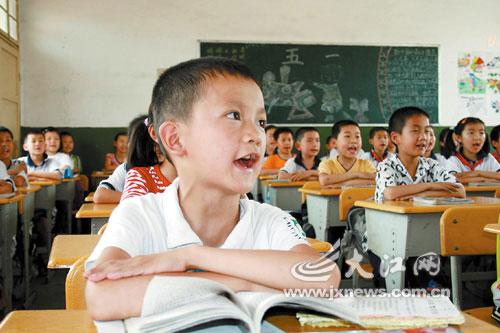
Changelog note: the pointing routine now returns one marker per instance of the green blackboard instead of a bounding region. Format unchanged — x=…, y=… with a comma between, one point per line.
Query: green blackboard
x=320, y=84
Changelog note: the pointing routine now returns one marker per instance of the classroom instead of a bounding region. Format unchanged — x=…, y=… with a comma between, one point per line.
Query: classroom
x=84, y=71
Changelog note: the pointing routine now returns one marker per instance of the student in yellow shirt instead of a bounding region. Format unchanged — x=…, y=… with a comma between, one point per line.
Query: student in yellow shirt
x=283, y=152
x=346, y=168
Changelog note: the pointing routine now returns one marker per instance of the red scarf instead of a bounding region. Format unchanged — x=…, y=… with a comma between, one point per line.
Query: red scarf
x=378, y=159
x=496, y=155
x=465, y=162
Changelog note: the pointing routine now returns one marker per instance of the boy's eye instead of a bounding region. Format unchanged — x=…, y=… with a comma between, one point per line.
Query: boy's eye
x=262, y=123
x=234, y=115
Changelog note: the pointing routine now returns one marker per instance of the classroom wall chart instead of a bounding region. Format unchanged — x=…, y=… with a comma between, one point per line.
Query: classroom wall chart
x=479, y=85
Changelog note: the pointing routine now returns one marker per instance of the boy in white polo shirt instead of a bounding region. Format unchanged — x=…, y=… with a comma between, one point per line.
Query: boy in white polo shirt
x=206, y=112
x=39, y=165
x=304, y=166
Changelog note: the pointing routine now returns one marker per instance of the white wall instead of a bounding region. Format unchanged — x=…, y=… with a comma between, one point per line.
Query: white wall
x=93, y=63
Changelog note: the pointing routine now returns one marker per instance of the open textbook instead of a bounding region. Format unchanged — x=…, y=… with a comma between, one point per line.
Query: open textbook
x=178, y=303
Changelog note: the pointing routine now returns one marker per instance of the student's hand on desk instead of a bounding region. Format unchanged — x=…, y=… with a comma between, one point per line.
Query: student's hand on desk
x=445, y=186
x=171, y=261
x=298, y=176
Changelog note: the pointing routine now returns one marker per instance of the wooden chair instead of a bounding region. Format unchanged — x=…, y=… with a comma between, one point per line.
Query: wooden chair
x=462, y=234
x=349, y=196
x=318, y=245
x=483, y=314
x=75, y=286
x=103, y=228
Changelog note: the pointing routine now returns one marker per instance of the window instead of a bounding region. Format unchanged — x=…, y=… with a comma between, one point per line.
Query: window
x=9, y=18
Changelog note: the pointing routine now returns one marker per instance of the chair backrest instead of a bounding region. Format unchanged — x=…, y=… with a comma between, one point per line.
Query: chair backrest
x=349, y=196
x=462, y=230
x=75, y=286
x=318, y=245
x=103, y=228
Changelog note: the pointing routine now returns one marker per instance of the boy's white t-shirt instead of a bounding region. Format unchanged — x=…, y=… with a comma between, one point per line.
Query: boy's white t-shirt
x=47, y=165
x=489, y=164
x=4, y=175
x=154, y=223
x=116, y=182
x=63, y=159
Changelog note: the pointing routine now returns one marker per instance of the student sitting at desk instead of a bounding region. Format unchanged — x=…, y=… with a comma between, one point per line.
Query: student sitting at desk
x=39, y=165
x=52, y=147
x=110, y=189
x=270, y=142
x=346, y=168
x=202, y=221
x=150, y=171
x=420, y=176
x=379, y=139
x=68, y=144
x=472, y=161
x=283, y=152
x=119, y=156
x=495, y=142
x=15, y=168
x=304, y=166
x=6, y=183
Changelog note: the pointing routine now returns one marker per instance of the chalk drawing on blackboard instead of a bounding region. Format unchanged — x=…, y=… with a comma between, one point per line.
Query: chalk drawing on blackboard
x=360, y=107
x=331, y=102
x=284, y=94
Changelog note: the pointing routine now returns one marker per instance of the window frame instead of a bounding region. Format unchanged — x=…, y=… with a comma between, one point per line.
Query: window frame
x=7, y=34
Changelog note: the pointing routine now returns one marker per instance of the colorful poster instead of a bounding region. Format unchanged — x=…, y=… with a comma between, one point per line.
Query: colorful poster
x=479, y=85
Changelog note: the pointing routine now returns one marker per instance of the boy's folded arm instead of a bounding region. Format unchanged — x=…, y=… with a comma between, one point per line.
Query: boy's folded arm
x=335, y=178
x=56, y=175
x=284, y=175
x=5, y=187
x=396, y=192
x=490, y=175
x=105, y=195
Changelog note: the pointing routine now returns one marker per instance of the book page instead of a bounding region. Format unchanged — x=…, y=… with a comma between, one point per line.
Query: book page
x=213, y=308
x=429, y=307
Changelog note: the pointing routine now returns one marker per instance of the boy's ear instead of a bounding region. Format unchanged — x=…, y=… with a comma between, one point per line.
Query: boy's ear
x=25, y=147
x=395, y=138
x=152, y=133
x=169, y=136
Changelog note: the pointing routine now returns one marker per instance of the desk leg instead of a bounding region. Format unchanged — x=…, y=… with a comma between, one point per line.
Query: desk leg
x=8, y=214
x=389, y=238
x=97, y=223
x=322, y=213
x=29, y=212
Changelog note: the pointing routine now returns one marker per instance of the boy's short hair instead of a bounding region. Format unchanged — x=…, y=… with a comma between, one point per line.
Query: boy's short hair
x=180, y=86
x=299, y=134
x=400, y=116
x=376, y=129
x=494, y=135
x=337, y=127
x=281, y=130
x=117, y=135
x=270, y=127
x=6, y=130
x=32, y=132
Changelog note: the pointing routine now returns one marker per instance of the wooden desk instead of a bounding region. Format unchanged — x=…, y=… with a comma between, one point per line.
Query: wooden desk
x=322, y=209
x=66, y=249
x=8, y=228
x=99, y=213
x=402, y=229
x=262, y=185
x=97, y=176
x=27, y=214
x=78, y=321
x=48, y=321
x=482, y=191
x=284, y=194
x=90, y=197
